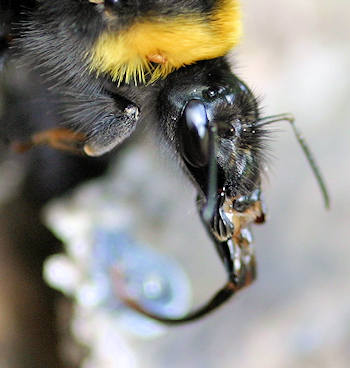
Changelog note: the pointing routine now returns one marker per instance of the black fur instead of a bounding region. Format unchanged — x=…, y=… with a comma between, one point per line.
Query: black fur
x=51, y=46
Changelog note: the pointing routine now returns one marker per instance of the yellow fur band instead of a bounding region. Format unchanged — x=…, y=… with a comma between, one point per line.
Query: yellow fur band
x=156, y=46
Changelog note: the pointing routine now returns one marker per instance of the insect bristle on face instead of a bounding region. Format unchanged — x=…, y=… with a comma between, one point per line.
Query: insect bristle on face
x=110, y=65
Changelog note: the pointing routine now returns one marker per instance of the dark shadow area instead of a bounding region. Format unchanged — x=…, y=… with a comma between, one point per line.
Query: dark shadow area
x=28, y=336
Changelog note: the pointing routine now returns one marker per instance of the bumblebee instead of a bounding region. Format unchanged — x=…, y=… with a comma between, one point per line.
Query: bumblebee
x=108, y=66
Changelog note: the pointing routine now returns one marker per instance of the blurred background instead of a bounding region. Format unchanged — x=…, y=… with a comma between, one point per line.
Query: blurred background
x=295, y=55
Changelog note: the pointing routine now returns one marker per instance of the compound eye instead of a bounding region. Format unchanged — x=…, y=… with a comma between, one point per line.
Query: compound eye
x=194, y=135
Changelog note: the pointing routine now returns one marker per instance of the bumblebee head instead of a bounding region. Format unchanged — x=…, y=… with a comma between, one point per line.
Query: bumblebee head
x=227, y=112
x=215, y=108
x=211, y=122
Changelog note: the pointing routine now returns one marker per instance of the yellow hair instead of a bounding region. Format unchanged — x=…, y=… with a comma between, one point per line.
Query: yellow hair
x=174, y=41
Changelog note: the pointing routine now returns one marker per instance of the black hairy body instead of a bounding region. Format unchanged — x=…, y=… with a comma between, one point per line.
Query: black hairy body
x=51, y=44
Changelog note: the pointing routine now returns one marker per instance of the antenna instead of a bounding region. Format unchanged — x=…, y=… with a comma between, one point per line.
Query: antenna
x=309, y=156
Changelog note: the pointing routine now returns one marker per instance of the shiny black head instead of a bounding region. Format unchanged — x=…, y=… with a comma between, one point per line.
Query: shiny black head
x=208, y=112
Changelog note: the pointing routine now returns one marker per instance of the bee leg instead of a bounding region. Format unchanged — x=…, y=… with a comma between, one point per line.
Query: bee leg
x=112, y=130
x=105, y=120
x=62, y=139
x=241, y=272
x=108, y=120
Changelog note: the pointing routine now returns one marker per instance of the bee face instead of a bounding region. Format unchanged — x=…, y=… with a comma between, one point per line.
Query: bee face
x=210, y=118
x=213, y=121
x=221, y=100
